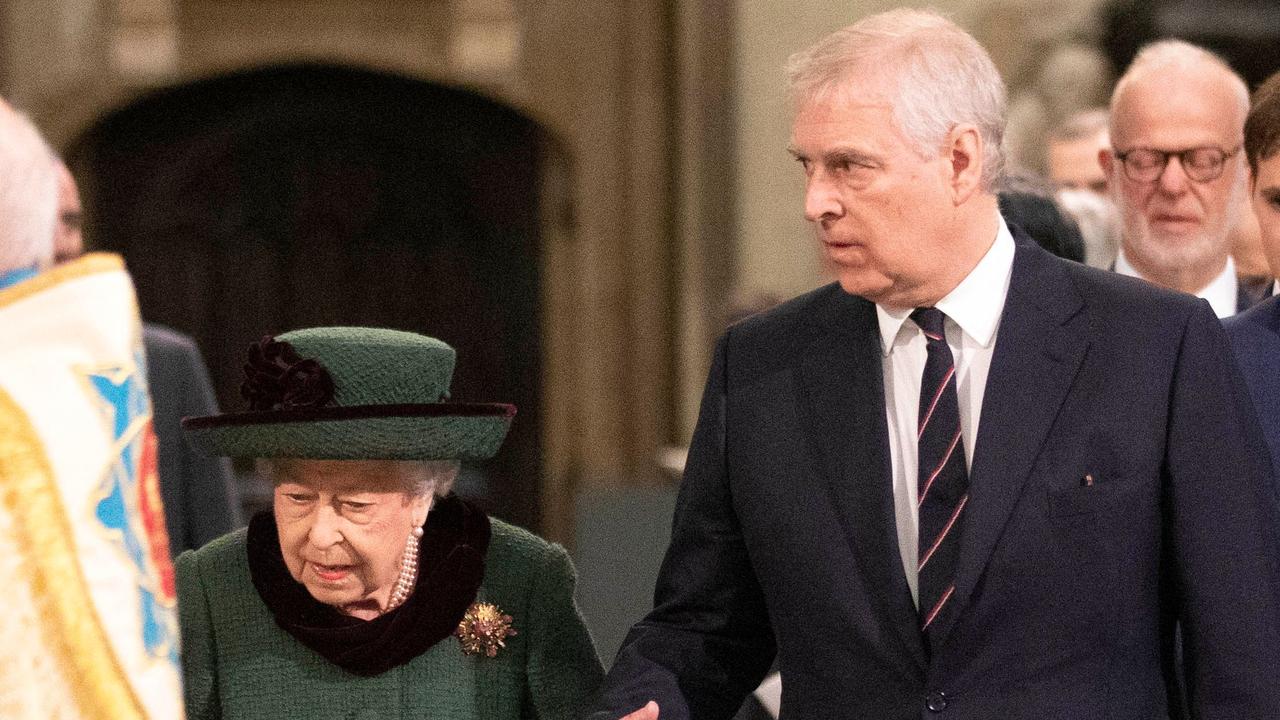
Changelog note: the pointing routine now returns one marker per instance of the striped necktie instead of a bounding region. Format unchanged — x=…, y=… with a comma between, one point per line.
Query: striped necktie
x=943, y=483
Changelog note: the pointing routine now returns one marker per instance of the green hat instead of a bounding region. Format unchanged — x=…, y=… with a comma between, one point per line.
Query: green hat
x=352, y=393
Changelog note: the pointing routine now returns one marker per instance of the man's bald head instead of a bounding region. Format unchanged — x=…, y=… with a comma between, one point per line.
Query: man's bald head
x=1174, y=67
x=28, y=194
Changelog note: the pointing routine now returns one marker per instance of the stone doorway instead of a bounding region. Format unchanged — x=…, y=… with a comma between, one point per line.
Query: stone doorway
x=304, y=195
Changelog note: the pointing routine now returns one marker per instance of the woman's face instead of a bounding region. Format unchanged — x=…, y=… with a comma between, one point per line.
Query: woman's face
x=343, y=526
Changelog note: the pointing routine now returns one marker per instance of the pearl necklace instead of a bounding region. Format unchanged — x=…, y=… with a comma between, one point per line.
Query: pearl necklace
x=408, y=572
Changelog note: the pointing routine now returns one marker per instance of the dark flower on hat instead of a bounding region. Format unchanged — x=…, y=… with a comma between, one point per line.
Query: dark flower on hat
x=277, y=378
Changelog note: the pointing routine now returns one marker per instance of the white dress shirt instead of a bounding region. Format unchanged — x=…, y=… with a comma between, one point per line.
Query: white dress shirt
x=973, y=312
x=1223, y=293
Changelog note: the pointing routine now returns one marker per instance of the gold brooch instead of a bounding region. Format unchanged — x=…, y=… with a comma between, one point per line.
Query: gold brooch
x=484, y=629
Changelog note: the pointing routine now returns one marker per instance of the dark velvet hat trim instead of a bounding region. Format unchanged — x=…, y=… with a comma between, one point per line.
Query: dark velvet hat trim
x=450, y=571
x=357, y=412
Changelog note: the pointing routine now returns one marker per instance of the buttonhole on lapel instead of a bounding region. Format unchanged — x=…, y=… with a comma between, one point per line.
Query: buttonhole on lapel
x=1087, y=480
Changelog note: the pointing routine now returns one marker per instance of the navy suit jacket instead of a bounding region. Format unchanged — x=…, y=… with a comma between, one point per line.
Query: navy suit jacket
x=199, y=494
x=1255, y=337
x=784, y=533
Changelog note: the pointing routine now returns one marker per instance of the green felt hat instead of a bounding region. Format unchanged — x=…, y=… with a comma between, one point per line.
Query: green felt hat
x=352, y=393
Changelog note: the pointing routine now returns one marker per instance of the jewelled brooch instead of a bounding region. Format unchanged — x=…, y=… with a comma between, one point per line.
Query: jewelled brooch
x=484, y=629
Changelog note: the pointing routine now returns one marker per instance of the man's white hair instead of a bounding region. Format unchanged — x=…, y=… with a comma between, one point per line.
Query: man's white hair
x=940, y=75
x=1172, y=59
x=28, y=194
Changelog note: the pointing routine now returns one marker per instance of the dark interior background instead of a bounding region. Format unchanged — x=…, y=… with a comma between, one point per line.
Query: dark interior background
x=1245, y=33
x=308, y=195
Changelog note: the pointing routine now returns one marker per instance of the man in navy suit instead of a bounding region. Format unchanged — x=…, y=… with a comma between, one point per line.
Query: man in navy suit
x=969, y=480
x=1255, y=334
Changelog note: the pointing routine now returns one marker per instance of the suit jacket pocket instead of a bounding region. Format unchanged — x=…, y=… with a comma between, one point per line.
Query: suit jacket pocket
x=1084, y=499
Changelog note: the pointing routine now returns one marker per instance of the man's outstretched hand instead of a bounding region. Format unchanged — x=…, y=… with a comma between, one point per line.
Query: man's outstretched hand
x=648, y=712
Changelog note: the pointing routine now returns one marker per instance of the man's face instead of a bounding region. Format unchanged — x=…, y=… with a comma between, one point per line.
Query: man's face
x=1266, y=205
x=872, y=199
x=1174, y=225
x=1073, y=164
x=68, y=242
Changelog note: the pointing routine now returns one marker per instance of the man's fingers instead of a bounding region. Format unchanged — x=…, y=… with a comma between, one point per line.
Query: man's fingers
x=648, y=712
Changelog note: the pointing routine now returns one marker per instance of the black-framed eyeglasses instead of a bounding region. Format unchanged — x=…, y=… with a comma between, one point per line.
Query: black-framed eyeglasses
x=1201, y=164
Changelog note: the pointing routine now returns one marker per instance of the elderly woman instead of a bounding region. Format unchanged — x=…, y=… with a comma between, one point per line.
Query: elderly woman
x=370, y=591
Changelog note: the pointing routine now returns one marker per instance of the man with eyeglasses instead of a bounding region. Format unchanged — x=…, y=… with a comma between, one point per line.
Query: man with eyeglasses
x=1176, y=171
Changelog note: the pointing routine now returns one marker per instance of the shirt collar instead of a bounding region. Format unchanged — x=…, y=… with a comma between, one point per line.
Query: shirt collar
x=975, y=304
x=1222, y=292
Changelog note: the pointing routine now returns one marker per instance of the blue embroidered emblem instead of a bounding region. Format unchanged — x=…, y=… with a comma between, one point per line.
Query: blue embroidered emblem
x=129, y=506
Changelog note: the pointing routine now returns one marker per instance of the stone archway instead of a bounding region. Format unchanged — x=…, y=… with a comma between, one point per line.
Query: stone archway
x=305, y=195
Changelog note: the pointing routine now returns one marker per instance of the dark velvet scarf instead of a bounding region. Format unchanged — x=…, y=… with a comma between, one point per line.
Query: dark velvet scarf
x=450, y=570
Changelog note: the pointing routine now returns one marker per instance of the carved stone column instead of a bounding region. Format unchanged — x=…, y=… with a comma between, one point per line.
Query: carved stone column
x=601, y=75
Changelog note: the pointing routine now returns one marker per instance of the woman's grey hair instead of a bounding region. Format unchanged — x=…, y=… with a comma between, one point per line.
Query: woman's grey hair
x=28, y=194
x=941, y=77
x=417, y=477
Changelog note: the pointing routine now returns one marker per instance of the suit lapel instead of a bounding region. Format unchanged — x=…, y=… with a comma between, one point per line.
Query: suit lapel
x=1042, y=339
x=842, y=392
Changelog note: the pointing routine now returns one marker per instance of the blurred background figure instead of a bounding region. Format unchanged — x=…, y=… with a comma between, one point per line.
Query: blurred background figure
x=1076, y=172
x=68, y=233
x=1255, y=333
x=1249, y=254
x=1095, y=215
x=201, y=501
x=1176, y=171
x=1073, y=152
x=1027, y=200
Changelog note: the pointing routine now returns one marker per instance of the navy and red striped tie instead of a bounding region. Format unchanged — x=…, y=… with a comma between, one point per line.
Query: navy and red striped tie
x=943, y=477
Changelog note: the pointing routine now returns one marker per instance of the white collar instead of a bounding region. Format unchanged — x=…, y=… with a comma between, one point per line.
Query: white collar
x=1223, y=292
x=975, y=304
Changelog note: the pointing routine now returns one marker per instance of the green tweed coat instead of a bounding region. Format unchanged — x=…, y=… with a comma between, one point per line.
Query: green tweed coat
x=238, y=664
